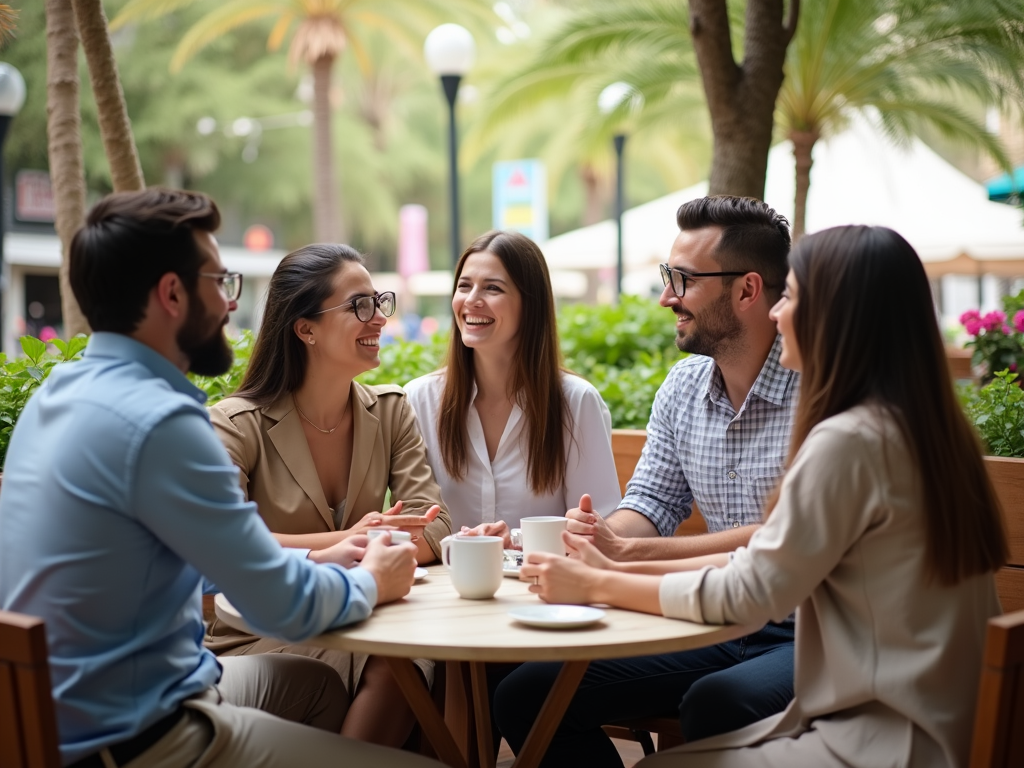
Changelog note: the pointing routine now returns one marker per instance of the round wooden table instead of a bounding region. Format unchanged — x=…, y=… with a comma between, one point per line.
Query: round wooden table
x=433, y=622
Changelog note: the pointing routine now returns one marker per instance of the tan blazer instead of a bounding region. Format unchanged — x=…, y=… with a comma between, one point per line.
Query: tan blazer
x=277, y=471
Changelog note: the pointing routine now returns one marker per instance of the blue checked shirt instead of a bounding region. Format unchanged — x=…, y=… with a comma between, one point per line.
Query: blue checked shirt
x=700, y=449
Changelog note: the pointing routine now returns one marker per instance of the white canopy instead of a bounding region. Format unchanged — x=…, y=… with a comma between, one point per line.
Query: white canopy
x=858, y=177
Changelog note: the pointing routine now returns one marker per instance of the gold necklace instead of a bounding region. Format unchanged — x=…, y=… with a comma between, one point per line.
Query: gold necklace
x=322, y=431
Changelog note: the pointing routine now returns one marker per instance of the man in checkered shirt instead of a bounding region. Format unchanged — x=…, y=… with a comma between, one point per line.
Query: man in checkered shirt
x=718, y=435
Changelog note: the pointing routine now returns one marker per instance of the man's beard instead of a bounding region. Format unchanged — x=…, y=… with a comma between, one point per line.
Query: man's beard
x=202, y=340
x=711, y=331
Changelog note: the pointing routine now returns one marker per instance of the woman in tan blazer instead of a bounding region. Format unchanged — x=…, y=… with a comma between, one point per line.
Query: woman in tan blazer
x=318, y=452
x=884, y=535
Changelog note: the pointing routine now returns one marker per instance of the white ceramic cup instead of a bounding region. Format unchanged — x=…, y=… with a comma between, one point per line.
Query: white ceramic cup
x=474, y=563
x=543, y=534
x=397, y=537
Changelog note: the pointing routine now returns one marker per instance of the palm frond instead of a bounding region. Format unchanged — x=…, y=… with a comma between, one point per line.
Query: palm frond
x=227, y=17
x=145, y=10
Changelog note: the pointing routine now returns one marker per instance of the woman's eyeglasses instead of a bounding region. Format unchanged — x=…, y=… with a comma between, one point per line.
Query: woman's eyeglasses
x=230, y=283
x=678, y=278
x=366, y=306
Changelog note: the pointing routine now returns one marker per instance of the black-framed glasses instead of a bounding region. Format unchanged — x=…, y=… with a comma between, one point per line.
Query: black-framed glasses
x=678, y=277
x=366, y=306
x=230, y=283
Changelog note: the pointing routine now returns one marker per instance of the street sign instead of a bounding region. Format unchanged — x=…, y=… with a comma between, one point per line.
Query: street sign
x=520, y=198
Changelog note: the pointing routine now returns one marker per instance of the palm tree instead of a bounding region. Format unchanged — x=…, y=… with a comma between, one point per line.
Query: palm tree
x=914, y=62
x=115, y=127
x=63, y=128
x=547, y=104
x=667, y=54
x=323, y=31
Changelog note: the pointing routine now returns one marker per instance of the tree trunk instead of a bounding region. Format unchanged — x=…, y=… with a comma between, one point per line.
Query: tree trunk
x=593, y=208
x=63, y=130
x=741, y=98
x=116, y=129
x=327, y=223
x=803, y=145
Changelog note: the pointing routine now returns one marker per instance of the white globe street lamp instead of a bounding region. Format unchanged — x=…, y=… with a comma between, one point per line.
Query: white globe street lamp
x=12, y=97
x=450, y=52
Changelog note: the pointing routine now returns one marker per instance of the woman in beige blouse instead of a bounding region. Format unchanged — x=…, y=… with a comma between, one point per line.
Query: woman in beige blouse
x=884, y=535
x=318, y=451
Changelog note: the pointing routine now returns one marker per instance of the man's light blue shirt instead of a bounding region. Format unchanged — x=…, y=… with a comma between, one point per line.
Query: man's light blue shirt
x=117, y=500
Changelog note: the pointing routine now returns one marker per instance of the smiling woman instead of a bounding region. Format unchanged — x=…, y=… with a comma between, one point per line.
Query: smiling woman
x=318, y=451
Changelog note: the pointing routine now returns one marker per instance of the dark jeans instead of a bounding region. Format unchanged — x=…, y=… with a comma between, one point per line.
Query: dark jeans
x=715, y=690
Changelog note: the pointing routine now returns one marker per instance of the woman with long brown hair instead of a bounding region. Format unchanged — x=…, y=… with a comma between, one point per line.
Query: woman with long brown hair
x=884, y=534
x=509, y=432
x=318, y=452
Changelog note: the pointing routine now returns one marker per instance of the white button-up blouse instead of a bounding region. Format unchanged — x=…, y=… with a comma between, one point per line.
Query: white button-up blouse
x=500, y=490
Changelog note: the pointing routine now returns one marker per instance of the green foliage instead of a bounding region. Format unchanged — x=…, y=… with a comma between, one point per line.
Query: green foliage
x=225, y=385
x=997, y=412
x=21, y=377
x=402, y=361
x=615, y=335
x=629, y=392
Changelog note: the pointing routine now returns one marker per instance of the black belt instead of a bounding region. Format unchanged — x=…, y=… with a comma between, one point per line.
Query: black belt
x=125, y=751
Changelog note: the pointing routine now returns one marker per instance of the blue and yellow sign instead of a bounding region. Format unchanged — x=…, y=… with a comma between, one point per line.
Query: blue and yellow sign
x=520, y=198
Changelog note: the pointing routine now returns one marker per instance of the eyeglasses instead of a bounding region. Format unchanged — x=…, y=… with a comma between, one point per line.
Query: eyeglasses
x=230, y=283
x=366, y=306
x=678, y=277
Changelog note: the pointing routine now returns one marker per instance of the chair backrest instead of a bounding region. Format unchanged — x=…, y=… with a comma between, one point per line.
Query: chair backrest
x=28, y=723
x=999, y=719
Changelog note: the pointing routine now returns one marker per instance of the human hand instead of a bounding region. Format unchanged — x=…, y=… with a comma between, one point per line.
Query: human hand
x=347, y=553
x=586, y=523
x=499, y=528
x=392, y=566
x=583, y=549
x=394, y=520
x=558, y=579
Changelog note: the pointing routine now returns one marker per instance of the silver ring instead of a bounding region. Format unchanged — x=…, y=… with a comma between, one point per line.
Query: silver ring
x=536, y=581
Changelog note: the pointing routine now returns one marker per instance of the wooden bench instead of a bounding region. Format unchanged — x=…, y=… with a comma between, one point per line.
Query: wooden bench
x=28, y=723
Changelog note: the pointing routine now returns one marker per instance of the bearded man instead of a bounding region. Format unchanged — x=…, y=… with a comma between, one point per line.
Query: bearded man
x=718, y=435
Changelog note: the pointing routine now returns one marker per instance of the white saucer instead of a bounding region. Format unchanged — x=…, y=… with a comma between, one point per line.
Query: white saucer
x=419, y=574
x=510, y=573
x=557, y=616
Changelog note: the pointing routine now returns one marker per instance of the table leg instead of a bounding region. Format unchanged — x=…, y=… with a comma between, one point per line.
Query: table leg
x=433, y=725
x=482, y=714
x=550, y=715
x=458, y=709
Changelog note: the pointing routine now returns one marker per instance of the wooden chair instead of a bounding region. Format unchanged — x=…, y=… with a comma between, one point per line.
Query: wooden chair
x=999, y=717
x=28, y=725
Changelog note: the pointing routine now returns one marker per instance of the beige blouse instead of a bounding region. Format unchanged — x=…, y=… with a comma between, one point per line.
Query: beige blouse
x=886, y=658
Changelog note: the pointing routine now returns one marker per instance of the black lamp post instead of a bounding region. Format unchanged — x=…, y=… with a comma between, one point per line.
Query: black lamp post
x=449, y=50
x=12, y=97
x=613, y=97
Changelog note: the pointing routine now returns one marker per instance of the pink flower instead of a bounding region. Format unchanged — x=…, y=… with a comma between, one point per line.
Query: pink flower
x=970, y=314
x=1013, y=367
x=994, y=320
x=1006, y=330
x=47, y=334
x=973, y=326
x=1018, y=321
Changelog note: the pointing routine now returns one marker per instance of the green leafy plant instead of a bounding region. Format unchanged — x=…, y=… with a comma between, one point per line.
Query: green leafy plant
x=21, y=377
x=225, y=385
x=402, y=361
x=997, y=412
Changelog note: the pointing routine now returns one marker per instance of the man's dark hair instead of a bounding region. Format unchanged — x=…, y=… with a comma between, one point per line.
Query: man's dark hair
x=130, y=240
x=755, y=237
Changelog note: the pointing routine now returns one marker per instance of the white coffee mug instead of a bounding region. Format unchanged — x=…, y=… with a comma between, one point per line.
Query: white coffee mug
x=397, y=537
x=474, y=563
x=543, y=534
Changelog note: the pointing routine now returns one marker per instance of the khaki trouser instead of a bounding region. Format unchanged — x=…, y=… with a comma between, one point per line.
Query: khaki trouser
x=271, y=711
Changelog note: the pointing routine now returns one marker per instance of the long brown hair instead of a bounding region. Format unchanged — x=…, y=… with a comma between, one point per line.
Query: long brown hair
x=536, y=368
x=300, y=285
x=867, y=333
